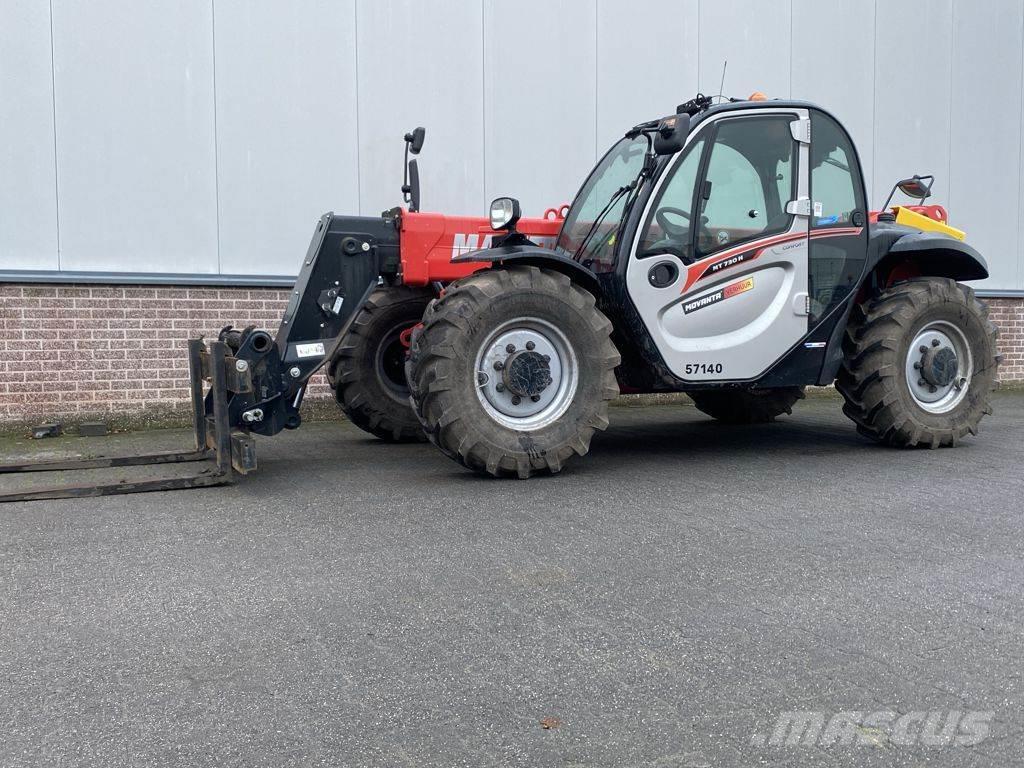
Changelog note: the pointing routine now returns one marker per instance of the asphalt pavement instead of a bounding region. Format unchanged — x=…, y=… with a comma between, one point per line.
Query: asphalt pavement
x=689, y=594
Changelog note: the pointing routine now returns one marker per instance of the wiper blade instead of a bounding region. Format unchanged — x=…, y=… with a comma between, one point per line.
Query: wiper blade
x=646, y=172
x=600, y=217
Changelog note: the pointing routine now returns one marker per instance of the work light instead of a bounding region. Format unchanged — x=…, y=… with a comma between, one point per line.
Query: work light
x=504, y=213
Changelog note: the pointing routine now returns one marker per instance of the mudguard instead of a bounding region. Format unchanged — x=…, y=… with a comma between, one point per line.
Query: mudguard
x=525, y=252
x=935, y=254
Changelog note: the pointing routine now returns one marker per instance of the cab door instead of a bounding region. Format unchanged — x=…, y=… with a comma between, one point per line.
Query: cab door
x=718, y=271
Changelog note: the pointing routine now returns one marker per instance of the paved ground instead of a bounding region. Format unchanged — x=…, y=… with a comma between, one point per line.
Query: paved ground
x=662, y=602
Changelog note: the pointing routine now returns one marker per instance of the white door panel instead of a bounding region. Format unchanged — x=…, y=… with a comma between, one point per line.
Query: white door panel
x=732, y=314
x=720, y=316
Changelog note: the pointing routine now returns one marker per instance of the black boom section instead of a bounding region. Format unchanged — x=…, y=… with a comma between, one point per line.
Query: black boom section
x=346, y=257
x=344, y=263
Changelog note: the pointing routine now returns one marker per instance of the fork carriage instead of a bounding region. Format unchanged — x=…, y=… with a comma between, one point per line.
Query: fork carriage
x=214, y=376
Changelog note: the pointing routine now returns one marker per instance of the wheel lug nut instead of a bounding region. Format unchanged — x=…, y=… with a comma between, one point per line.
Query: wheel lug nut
x=935, y=342
x=923, y=349
x=500, y=387
x=920, y=383
x=530, y=345
x=498, y=365
x=546, y=358
x=535, y=398
x=917, y=366
x=931, y=389
x=510, y=348
x=516, y=400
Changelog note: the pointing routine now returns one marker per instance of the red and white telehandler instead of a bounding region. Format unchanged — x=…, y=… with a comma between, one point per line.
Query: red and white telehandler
x=727, y=251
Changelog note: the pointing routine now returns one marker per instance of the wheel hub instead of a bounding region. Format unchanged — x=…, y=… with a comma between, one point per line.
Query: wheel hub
x=938, y=367
x=526, y=373
x=390, y=364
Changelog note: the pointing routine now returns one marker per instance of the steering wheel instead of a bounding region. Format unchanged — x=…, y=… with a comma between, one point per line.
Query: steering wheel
x=670, y=229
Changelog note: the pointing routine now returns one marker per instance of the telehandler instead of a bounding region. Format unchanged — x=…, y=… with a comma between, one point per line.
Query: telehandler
x=726, y=251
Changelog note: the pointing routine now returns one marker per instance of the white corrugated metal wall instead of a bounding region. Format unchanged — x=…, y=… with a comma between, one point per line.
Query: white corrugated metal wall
x=206, y=136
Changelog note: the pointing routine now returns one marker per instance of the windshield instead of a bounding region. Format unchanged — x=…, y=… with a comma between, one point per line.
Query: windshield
x=616, y=170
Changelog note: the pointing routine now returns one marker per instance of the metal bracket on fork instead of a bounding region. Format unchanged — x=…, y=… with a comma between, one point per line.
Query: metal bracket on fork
x=227, y=452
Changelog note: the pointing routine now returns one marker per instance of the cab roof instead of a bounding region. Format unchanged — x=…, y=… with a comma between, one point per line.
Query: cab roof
x=735, y=106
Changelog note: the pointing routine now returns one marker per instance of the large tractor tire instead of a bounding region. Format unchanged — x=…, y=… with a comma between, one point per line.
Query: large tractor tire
x=512, y=371
x=919, y=364
x=747, y=406
x=368, y=371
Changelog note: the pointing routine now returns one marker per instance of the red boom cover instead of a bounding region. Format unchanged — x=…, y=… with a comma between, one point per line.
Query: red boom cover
x=429, y=241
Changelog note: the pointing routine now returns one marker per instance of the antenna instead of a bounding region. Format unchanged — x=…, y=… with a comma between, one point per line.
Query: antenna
x=721, y=87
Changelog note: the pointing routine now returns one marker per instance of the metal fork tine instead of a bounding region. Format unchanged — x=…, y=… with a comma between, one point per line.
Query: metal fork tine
x=213, y=437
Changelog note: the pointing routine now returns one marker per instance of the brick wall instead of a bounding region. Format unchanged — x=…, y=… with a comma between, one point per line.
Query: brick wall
x=115, y=352
x=1008, y=315
x=119, y=352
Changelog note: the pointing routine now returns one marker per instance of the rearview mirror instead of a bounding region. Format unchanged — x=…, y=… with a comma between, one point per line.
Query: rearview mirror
x=411, y=174
x=414, y=186
x=671, y=134
x=415, y=139
x=916, y=187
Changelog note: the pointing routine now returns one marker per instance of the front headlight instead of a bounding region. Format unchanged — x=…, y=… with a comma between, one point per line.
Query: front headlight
x=504, y=213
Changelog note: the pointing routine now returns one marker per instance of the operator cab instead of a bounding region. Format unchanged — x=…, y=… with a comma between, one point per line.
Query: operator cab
x=711, y=226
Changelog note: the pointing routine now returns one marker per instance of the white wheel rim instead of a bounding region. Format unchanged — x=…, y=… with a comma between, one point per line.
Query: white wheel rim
x=939, y=352
x=530, y=340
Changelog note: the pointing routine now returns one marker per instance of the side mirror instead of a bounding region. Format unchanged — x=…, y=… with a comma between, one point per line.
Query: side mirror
x=415, y=139
x=671, y=134
x=505, y=212
x=411, y=174
x=915, y=187
x=414, y=186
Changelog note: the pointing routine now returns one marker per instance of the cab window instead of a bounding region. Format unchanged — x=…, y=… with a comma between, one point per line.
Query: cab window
x=583, y=236
x=749, y=179
x=668, y=229
x=836, y=261
x=832, y=174
x=750, y=175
